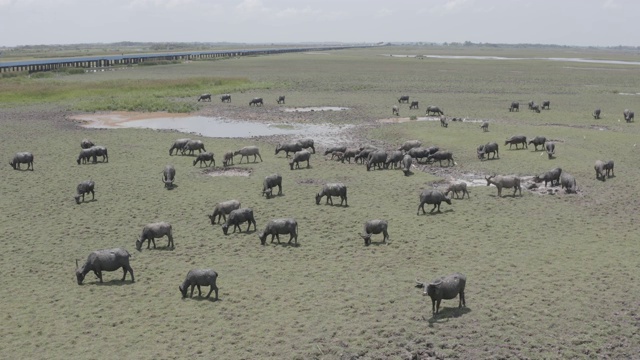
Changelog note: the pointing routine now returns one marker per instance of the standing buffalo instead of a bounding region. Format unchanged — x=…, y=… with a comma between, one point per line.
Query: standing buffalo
x=395, y=110
x=278, y=227
x=445, y=287
x=628, y=115
x=280, y=99
x=568, y=182
x=515, y=106
x=222, y=209
x=85, y=155
x=22, y=158
x=153, y=231
x=237, y=217
x=394, y=158
x=406, y=164
x=84, y=187
x=248, y=151
x=307, y=143
x=484, y=126
x=205, y=97
x=376, y=158
x=227, y=159
x=168, y=176
x=410, y=144
x=596, y=113
x=178, y=145
x=302, y=155
x=443, y=121
x=435, y=110
x=99, y=151
x=551, y=148
x=203, y=158
x=288, y=147
x=488, y=148
x=600, y=170
x=538, y=140
x=432, y=197
x=505, y=182
x=608, y=167
x=256, y=102
x=333, y=189
x=375, y=227
x=422, y=152
x=333, y=149
x=535, y=107
x=442, y=155
x=403, y=99
x=225, y=98
x=86, y=143
x=193, y=145
x=105, y=260
x=517, y=139
x=546, y=104
x=269, y=183
x=550, y=176
x=414, y=105
x=458, y=187
x=199, y=277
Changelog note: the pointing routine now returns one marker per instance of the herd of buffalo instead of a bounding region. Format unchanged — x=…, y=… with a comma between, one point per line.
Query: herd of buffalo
x=231, y=212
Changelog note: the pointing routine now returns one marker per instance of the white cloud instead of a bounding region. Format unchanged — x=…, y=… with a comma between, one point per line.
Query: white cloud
x=383, y=13
x=168, y=4
x=455, y=5
x=610, y=4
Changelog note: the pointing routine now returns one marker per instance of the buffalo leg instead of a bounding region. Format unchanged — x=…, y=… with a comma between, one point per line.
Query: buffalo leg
x=124, y=269
x=199, y=292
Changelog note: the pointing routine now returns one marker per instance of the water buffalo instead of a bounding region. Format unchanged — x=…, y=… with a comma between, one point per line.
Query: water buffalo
x=228, y=158
x=505, y=182
x=307, y=143
x=99, y=151
x=197, y=278
x=568, y=182
x=22, y=158
x=222, y=209
x=608, y=167
x=225, y=98
x=269, y=183
x=333, y=189
x=376, y=158
x=403, y=99
x=406, y=164
x=442, y=155
x=193, y=145
x=395, y=110
x=153, y=231
x=394, y=158
x=488, y=148
x=596, y=113
x=178, y=145
x=203, y=158
x=280, y=99
x=535, y=107
x=546, y=104
x=256, y=102
x=349, y=153
x=278, y=227
x=550, y=148
x=537, y=141
x=458, y=187
x=83, y=188
x=445, y=287
x=414, y=105
x=531, y=103
x=85, y=155
x=105, y=260
x=484, y=126
x=86, y=143
x=205, y=97
x=302, y=155
x=364, y=153
x=288, y=147
x=628, y=115
x=443, y=121
x=552, y=176
x=248, y=151
x=335, y=148
x=410, y=144
x=435, y=110
x=237, y=217
x=432, y=197
x=517, y=139
x=168, y=176
x=375, y=227
x=600, y=171
x=422, y=152
x=515, y=106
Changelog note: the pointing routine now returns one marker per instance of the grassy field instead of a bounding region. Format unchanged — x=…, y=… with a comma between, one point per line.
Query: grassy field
x=548, y=276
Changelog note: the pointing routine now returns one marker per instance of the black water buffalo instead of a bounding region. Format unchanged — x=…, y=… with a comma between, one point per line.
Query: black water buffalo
x=280, y=99
x=395, y=110
x=432, y=197
x=546, y=104
x=489, y=148
x=414, y=105
x=256, y=102
x=225, y=98
x=516, y=140
x=445, y=287
x=515, y=106
x=435, y=110
x=22, y=158
x=596, y=113
x=403, y=99
x=538, y=141
x=204, y=97
x=628, y=115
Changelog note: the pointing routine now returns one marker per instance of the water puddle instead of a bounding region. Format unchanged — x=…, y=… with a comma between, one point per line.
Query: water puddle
x=315, y=108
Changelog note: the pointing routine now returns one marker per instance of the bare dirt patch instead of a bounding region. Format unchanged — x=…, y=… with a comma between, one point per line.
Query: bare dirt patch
x=228, y=171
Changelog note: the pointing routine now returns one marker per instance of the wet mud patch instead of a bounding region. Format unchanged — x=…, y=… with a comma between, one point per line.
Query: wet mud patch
x=228, y=171
x=315, y=108
x=591, y=127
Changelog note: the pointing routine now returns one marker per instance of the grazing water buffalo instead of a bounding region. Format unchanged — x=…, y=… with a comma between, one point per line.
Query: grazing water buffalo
x=535, y=107
x=85, y=155
x=442, y=155
x=410, y=144
x=269, y=183
x=333, y=189
x=84, y=187
x=414, y=105
x=546, y=104
x=237, y=217
x=199, y=277
x=205, y=97
x=307, y=143
x=280, y=99
x=350, y=153
x=516, y=140
x=458, y=187
x=432, y=197
x=403, y=99
x=395, y=110
x=488, y=148
x=608, y=167
x=484, y=126
x=248, y=151
x=203, y=158
x=333, y=149
x=364, y=153
x=288, y=147
x=445, y=287
x=225, y=98
x=531, y=103
x=278, y=227
x=600, y=171
x=193, y=145
x=375, y=227
x=168, y=176
x=568, y=182
x=256, y=102
x=155, y=230
x=86, y=143
x=105, y=260
x=551, y=148
x=435, y=110
x=376, y=158
x=550, y=176
x=228, y=158
x=505, y=182
x=443, y=121
x=178, y=145
x=302, y=155
x=596, y=113
x=538, y=141
x=422, y=152
x=406, y=164
x=99, y=151
x=222, y=209
x=628, y=115
x=22, y=158
x=393, y=159
x=515, y=106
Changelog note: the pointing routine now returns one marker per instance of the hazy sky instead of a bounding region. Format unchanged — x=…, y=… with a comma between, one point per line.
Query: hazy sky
x=564, y=22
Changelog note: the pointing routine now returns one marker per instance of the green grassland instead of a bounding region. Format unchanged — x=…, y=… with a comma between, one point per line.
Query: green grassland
x=548, y=276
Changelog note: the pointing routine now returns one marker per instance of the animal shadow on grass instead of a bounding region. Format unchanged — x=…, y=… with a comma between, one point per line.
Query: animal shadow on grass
x=447, y=313
x=435, y=212
x=87, y=201
x=114, y=282
x=202, y=298
x=171, y=187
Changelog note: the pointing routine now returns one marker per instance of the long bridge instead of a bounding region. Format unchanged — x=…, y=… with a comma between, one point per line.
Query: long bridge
x=103, y=61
